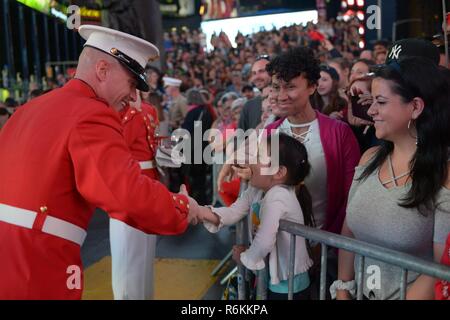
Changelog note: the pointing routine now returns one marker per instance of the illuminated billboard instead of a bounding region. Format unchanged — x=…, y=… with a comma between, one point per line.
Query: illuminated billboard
x=218, y=9
x=39, y=5
x=58, y=10
x=177, y=8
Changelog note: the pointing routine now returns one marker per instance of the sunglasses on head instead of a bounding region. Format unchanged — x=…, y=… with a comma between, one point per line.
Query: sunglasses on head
x=263, y=57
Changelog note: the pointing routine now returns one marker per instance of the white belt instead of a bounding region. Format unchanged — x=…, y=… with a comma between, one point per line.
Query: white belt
x=147, y=165
x=54, y=226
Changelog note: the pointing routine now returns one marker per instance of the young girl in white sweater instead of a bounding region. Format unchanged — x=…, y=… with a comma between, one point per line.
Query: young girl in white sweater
x=280, y=195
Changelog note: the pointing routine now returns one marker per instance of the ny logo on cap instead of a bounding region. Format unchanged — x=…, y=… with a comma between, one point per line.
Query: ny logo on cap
x=395, y=51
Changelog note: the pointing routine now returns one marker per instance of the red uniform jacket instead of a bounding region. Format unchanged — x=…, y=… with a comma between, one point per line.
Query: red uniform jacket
x=139, y=131
x=65, y=151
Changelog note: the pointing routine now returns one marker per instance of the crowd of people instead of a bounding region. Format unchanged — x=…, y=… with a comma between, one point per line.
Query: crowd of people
x=358, y=132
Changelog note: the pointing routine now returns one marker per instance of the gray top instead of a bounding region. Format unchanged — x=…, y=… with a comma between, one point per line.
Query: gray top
x=373, y=215
x=251, y=114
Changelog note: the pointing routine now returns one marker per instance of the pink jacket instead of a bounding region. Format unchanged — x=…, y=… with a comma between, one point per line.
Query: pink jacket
x=341, y=156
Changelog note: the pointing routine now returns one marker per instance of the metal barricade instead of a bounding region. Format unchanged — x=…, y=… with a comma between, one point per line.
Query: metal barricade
x=362, y=249
x=261, y=284
x=241, y=240
x=216, y=167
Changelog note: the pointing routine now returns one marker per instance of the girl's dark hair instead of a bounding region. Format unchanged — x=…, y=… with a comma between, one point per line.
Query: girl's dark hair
x=419, y=77
x=293, y=63
x=336, y=102
x=293, y=156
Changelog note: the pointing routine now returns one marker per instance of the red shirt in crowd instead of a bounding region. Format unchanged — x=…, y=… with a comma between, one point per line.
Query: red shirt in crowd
x=442, y=287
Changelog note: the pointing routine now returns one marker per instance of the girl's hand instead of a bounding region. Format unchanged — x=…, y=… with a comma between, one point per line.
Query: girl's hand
x=237, y=250
x=194, y=208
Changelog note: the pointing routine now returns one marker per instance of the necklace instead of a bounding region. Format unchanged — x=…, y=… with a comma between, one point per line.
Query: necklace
x=300, y=125
x=391, y=170
x=302, y=137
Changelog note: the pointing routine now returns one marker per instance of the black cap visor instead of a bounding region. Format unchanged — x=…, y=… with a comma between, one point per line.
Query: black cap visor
x=132, y=65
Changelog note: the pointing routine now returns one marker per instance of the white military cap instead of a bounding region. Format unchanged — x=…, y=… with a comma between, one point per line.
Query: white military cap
x=168, y=81
x=133, y=52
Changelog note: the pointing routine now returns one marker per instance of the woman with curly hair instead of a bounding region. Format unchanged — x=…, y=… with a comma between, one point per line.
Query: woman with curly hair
x=333, y=151
x=332, y=148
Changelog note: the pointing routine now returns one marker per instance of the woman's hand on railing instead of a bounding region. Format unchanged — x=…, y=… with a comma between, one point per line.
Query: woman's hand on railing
x=343, y=295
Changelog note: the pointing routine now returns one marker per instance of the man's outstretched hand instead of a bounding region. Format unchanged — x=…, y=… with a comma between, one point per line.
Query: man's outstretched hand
x=194, y=209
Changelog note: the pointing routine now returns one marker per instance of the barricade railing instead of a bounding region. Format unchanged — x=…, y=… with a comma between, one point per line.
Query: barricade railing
x=241, y=232
x=405, y=262
x=361, y=249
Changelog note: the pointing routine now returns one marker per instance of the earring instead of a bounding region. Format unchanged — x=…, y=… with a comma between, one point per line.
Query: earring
x=416, y=137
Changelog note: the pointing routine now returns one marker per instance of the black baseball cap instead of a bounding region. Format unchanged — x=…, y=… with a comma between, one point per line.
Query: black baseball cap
x=413, y=47
x=330, y=70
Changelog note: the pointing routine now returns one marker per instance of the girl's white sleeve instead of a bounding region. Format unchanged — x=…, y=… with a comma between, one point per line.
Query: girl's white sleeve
x=231, y=215
x=271, y=212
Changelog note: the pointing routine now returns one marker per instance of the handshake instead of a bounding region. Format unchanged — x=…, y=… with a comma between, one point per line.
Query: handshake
x=195, y=209
x=198, y=213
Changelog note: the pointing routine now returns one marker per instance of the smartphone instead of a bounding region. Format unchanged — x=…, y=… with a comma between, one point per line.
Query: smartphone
x=359, y=110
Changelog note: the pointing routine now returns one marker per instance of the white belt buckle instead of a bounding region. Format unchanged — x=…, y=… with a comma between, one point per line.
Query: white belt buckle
x=54, y=226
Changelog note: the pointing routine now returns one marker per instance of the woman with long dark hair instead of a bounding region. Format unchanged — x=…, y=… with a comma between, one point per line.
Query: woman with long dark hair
x=329, y=101
x=400, y=196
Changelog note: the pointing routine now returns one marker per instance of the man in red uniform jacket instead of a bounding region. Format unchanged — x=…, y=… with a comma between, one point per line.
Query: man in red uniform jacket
x=62, y=155
x=133, y=251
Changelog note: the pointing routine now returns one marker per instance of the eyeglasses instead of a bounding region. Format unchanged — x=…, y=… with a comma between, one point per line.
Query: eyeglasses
x=263, y=57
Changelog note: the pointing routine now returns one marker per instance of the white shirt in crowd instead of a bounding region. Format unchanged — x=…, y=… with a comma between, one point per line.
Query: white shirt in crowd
x=316, y=182
x=279, y=203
